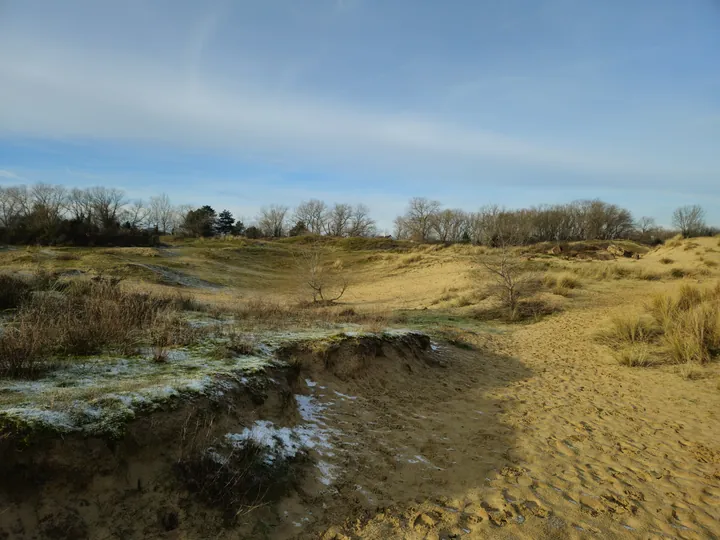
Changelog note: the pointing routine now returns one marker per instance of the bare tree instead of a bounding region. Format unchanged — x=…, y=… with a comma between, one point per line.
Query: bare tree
x=48, y=204
x=689, y=219
x=361, y=224
x=325, y=283
x=107, y=204
x=338, y=219
x=14, y=204
x=419, y=218
x=646, y=225
x=161, y=214
x=510, y=281
x=135, y=214
x=450, y=225
x=402, y=231
x=313, y=214
x=80, y=205
x=273, y=220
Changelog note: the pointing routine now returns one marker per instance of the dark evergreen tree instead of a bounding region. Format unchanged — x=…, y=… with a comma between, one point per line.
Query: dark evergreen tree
x=225, y=222
x=299, y=229
x=239, y=228
x=253, y=232
x=200, y=222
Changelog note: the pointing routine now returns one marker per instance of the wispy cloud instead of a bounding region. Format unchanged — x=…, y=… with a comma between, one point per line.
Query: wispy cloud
x=71, y=93
x=9, y=175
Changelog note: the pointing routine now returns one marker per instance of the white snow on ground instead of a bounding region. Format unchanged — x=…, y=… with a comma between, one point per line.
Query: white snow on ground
x=345, y=396
x=287, y=442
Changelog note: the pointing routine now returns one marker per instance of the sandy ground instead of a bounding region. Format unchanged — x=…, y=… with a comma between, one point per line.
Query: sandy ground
x=544, y=439
x=536, y=433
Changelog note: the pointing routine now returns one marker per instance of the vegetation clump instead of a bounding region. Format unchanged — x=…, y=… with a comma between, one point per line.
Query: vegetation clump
x=78, y=319
x=684, y=328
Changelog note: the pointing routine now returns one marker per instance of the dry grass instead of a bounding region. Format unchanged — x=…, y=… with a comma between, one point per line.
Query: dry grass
x=611, y=271
x=563, y=281
x=675, y=241
x=409, y=260
x=527, y=309
x=666, y=260
x=83, y=319
x=678, y=273
x=638, y=355
x=15, y=289
x=259, y=312
x=632, y=329
x=685, y=327
x=694, y=335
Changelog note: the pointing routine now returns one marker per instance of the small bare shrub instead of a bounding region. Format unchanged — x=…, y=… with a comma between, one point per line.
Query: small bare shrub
x=666, y=260
x=510, y=280
x=86, y=318
x=326, y=283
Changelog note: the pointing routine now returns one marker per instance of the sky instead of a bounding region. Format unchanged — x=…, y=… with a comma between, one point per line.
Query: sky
x=245, y=103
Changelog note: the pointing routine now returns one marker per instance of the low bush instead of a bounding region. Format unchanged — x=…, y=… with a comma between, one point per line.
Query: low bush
x=666, y=260
x=86, y=318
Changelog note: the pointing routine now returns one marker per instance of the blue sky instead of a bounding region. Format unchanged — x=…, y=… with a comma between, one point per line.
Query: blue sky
x=244, y=103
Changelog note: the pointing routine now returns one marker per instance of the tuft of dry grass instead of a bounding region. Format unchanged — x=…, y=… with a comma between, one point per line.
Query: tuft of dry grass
x=675, y=241
x=258, y=312
x=666, y=260
x=694, y=337
x=678, y=273
x=638, y=355
x=561, y=282
x=409, y=260
x=632, y=329
x=608, y=271
x=686, y=326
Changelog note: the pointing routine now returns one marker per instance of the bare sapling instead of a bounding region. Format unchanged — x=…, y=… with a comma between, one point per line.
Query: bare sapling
x=324, y=282
x=509, y=278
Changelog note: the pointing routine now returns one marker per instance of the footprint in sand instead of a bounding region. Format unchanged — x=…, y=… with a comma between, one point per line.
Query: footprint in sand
x=535, y=509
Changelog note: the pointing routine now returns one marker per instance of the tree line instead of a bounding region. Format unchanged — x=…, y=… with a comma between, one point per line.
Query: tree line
x=51, y=214
x=426, y=221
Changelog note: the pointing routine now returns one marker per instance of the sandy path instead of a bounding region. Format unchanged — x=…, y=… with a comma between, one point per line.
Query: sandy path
x=617, y=451
x=547, y=438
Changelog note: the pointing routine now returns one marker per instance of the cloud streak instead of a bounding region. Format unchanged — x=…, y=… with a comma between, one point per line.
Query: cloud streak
x=74, y=94
x=9, y=175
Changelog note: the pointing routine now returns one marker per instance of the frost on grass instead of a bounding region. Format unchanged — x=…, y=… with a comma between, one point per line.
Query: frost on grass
x=99, y=395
